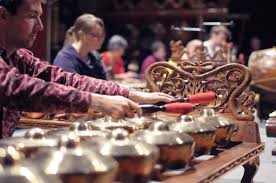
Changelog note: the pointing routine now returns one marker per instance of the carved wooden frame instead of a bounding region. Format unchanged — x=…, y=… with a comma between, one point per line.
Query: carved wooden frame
x=237, y=101
x=190, y=78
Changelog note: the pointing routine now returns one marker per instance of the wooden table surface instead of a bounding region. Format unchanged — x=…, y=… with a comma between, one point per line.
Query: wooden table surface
x=212, y=169
x=42, y=123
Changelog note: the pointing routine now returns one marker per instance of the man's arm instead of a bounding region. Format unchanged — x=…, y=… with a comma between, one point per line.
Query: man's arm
x=22, y=92
x=50, y=73
x=31, y=65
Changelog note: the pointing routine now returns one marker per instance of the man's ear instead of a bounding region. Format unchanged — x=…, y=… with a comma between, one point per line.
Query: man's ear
x=3, y=13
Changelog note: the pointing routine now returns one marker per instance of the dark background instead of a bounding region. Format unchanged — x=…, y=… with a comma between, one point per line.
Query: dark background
x=262, y=20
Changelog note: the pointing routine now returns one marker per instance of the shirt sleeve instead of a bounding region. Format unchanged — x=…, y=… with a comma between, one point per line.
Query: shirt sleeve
x=22, y=92
x=55, y=74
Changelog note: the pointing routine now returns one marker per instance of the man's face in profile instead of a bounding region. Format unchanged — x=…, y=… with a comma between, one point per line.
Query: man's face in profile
x=24, y=26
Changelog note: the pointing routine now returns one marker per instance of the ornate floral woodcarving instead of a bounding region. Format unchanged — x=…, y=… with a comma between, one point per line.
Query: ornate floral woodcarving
x=230, y=81
x=197, y=66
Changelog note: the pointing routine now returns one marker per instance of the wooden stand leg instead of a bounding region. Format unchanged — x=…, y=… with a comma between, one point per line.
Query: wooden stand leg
x=274, y=152
x=250, y=170
x=251, y=134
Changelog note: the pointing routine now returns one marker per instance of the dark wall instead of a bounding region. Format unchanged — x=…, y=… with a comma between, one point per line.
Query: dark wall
x=261, y=22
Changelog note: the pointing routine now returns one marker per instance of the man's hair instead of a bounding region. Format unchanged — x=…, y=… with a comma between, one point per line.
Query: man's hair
x=117, y=42
x=157, y=45
x=11, y=5
x=220, y=28
x=194, y=44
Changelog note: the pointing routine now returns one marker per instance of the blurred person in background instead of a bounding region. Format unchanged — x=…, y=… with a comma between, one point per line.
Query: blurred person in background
x=113, y=60
x=158, y=51
x=217, y=39
x=79, y=54
x=193, y=48
x=254, y=45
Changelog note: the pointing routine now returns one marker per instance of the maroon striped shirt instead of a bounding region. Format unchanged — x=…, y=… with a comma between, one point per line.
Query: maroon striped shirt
x=29, y=84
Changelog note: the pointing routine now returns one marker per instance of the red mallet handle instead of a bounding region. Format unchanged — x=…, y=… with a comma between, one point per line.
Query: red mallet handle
x=183, y=108
x=202, y=98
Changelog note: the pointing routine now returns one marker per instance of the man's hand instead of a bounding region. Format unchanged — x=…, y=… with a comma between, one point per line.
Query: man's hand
x=149, y=98
x=117, y=107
